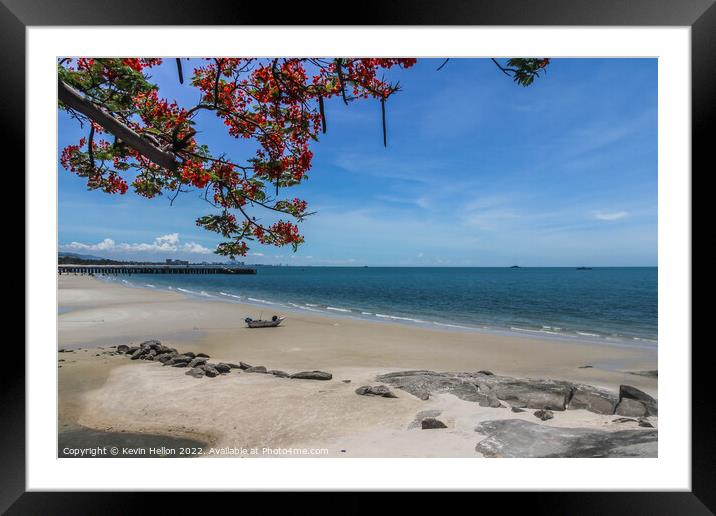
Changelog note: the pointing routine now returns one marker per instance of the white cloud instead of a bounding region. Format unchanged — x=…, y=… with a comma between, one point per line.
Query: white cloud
x=610, y=215
x=164, y=243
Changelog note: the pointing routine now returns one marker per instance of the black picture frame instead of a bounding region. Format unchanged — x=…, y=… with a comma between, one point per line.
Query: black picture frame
x=700, y=15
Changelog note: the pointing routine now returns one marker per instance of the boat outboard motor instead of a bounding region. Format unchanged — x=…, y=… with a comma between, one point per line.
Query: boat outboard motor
x=248, y=320
x=274, y=318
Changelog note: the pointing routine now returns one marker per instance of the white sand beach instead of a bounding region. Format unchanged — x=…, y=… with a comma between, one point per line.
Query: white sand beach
x=104, y=391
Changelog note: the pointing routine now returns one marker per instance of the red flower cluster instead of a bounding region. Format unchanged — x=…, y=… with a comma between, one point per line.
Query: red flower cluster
x=194, y=173
x=278, y=103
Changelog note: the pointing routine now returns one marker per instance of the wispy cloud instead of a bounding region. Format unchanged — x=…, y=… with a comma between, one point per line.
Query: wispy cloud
x=388, y=167
x=165, y=243
x=610, y=215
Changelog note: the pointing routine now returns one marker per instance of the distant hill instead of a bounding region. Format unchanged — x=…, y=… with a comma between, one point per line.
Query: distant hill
x=85, y=259
x=64, y=258
x=62, y=254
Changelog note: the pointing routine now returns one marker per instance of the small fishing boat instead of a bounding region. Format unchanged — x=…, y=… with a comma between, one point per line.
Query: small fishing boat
x=260, y=323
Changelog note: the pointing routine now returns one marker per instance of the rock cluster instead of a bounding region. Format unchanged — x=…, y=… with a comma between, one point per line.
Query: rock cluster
x=489, y=390
x=198, y=364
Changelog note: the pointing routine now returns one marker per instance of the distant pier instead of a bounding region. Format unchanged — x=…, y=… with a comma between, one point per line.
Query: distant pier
x=152, y=269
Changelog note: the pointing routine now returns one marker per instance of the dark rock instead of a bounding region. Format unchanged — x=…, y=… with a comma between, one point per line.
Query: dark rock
x=648, y=374
x=490, y=401
x=630, y=407
x=149, y=355
x=221, y=367
x=234, y=366
x=430, y=423
x=189, y=354
x=643, y=422
x=202, y=355
x=210, y=371
x=486, y=373
x=180, y=364
x=197, y=361
x=346, y=381
x=544, y=415
x=517, y=438
x=585, y=367
x=244, y=365
x=150, y=344
x=517, y=409
x=280, y=374
x=256, y=369
x=138, y=353
x=593, y=399
x=122, y=348
x=624, y=420
x=131, y=350
x=418, y=421
x=164, y=357
x=629, y=392
x=312, y=375
x=196, y=372
x=61, y=360
x=375, y=390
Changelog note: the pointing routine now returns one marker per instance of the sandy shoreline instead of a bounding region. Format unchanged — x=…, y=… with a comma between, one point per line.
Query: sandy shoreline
x=111, y=392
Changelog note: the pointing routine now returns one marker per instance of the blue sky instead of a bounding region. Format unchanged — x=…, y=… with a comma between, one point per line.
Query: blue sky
x=478, y=172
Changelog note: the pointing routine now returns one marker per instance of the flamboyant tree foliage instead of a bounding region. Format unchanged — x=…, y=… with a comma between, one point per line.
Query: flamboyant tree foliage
x=137, y=138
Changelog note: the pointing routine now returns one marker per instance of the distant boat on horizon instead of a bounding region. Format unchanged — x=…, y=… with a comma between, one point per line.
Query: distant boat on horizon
x=515, y=267
x=584, y=268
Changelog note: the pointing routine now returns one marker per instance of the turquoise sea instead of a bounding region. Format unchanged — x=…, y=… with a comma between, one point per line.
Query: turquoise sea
x=609, y=304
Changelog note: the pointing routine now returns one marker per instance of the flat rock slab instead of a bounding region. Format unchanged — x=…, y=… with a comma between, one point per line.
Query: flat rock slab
x=593, y=399
x=649, y=374
x=486, y=388
x=312, y=375
x=633, y=408
x=483, y=387
x=518, y=438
